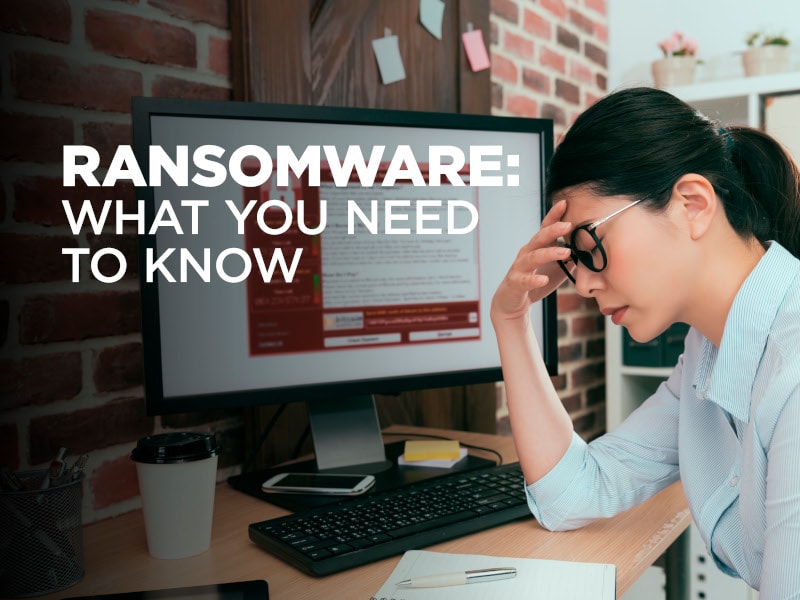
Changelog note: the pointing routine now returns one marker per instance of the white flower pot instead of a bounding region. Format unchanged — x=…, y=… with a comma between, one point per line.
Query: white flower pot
x=763, y=60
x=674, y=70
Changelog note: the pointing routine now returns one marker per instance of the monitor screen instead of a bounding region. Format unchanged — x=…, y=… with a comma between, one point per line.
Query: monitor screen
x=317, y=253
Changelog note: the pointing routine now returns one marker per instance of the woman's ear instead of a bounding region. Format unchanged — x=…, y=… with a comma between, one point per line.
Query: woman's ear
x=695, y=197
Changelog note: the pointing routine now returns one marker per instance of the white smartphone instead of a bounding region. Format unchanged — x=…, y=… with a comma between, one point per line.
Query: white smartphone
x=338, y=484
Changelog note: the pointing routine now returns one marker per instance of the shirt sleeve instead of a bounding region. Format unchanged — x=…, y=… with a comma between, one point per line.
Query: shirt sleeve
x=615, y=471
x=780, y=575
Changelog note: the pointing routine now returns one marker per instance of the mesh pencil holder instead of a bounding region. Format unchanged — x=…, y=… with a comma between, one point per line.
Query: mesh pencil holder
x=41, y=540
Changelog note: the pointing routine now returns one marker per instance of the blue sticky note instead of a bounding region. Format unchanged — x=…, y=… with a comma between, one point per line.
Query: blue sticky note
x=431, y=13
x=390, y=63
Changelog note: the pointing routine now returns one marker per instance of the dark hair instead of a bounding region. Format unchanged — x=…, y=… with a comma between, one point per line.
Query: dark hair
x=638, y=142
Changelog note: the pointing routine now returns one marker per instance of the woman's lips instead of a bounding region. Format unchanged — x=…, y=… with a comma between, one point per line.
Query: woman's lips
x=616, y=313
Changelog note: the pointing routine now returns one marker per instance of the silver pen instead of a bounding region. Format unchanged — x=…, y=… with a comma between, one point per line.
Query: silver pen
x=460, y=577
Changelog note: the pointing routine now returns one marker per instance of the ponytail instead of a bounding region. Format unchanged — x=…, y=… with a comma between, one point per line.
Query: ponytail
x=770, y=181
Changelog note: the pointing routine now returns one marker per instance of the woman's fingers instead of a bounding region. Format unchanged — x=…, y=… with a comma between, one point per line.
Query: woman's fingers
x=551, y=230
x=535, y=272
x=534, y=275
x=555, y=213
x=535, y=258
x=538, y=257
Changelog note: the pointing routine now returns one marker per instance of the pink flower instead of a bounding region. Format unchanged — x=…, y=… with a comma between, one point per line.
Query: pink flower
x=677, y=45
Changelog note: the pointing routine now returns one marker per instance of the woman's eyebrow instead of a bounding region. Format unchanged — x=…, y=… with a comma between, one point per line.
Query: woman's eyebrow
x=585, y=223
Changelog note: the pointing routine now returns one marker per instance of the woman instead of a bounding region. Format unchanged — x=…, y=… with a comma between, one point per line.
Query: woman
x=669, y=218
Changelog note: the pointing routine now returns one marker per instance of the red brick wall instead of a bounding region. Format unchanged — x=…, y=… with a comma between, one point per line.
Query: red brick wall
x=549, y=59
x=70, y=354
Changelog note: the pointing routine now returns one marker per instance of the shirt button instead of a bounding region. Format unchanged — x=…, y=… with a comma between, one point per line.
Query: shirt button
x=734, y=480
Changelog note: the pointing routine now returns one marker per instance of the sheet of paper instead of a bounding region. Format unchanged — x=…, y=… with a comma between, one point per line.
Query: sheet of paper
x=536, y=579
x=431, y=13
x=476, y=50
x=390, y=63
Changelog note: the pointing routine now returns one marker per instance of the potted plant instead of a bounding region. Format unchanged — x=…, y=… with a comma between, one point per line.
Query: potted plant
x=678, y=64
x=766, y=53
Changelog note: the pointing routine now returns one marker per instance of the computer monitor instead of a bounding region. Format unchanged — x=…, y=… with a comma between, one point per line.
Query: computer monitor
x=324, y=255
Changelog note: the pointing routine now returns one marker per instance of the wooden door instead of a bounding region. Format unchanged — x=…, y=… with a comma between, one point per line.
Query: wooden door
x=319, y=52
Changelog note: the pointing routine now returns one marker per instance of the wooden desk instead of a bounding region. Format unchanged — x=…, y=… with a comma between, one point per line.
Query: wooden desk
x=116, y=557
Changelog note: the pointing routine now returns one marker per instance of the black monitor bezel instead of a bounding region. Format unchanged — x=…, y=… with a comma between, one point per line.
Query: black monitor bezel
x=143, y=109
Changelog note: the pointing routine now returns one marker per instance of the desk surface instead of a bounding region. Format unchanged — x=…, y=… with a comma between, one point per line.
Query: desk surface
x=116, y=557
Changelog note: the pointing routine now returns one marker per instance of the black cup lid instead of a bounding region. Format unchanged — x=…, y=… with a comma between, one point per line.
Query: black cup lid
x=176, y=447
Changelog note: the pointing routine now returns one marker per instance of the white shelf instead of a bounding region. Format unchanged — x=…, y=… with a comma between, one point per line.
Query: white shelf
x=737, y=101
x=744, y=86
x=660, y=372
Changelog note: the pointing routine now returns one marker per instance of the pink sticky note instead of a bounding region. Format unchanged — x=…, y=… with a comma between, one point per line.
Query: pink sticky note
x=476, y=50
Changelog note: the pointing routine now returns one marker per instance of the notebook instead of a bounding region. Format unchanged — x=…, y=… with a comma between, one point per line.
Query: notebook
x=536, y=578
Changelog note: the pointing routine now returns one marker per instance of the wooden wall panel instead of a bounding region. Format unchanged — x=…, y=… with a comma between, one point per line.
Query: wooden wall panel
x=270, y=53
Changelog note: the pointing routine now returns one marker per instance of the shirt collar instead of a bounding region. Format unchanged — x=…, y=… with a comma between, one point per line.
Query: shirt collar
x=725, y=376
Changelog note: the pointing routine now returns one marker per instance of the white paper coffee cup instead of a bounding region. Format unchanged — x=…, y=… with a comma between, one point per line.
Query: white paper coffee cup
x=177, y=479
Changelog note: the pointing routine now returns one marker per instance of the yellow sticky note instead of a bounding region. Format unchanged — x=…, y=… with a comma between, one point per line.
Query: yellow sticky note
x=431, y=450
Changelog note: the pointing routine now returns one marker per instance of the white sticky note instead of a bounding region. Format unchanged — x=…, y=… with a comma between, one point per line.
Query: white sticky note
x=476, y=50
x=390, y=63
x=431, y=13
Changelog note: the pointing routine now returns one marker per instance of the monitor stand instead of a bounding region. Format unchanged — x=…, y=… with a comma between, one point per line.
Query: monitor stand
x=347, y=439
x=347, y=436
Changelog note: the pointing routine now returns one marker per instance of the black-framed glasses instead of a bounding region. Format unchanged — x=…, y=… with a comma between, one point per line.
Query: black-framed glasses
x=585, y=246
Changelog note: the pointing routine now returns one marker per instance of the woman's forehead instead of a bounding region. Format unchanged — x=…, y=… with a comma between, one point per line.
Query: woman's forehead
x=585, y=205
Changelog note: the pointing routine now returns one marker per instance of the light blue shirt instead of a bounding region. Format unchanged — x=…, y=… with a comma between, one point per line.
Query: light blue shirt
x=727, y=423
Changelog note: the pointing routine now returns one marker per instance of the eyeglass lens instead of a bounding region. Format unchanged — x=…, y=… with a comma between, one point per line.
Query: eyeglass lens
x=586, y=248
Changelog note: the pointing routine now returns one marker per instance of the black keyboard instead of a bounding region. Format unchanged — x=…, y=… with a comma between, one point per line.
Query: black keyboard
x=357, y=531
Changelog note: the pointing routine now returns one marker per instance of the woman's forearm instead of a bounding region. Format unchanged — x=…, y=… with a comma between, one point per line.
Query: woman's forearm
x=540, y=424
